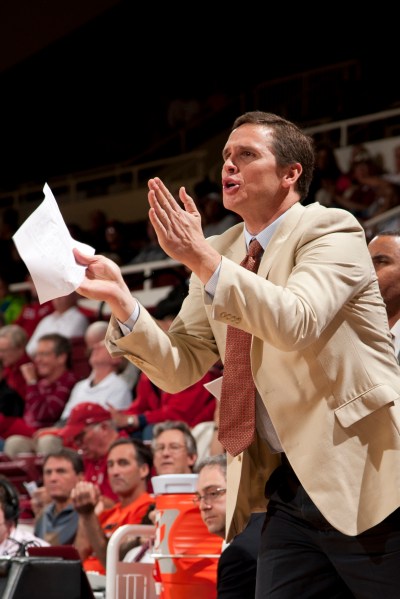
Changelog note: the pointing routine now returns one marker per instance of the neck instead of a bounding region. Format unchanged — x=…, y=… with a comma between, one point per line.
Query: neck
x=100, y=373
x=61, y=504
x=55, y=375
x=255, y=223
x=133, y=495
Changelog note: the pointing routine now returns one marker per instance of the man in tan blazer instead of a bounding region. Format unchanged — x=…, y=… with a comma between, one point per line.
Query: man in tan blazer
x=328, y=384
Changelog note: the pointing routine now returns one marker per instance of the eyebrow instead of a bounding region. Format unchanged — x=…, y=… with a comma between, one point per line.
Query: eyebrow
x=212, y=486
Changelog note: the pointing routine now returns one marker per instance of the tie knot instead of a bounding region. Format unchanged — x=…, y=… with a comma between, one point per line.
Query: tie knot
x=255, y=249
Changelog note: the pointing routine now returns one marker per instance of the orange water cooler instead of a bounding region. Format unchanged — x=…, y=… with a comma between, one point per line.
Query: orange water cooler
x=186, y=553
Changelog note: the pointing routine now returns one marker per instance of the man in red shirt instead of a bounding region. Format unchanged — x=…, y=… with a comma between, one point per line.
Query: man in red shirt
x=89, y=429
x=129, y=464
x=13, y=340
x=49, y=381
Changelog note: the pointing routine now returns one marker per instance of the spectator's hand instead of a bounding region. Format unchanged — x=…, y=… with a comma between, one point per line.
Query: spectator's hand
x=85, y=495
x=119, y=418
x=29, y=373
x=39, y=499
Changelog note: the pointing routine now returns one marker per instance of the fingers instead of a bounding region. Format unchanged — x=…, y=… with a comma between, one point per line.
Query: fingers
x=162, y=196
x=162, y=201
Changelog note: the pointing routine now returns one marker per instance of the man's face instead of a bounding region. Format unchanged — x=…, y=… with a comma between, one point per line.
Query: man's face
x=251, y=179
x=93, y=441
x=213, y=503
x=170, y=454
x=46, y=360
x=8, y=354
x=59, y=478
x=124, y=472
x=385, y=254
x=100, y=356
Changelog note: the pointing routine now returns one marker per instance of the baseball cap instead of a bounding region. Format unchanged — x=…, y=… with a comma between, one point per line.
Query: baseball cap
x=81, y=415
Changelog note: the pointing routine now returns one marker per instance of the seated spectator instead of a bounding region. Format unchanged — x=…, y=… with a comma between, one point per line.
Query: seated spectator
x=369, y=194
x=32, y=311
x=103, y=387
x=237, y=566
x=215, y=218
x=206, y=435
x=89, y=430
x=49, y=383
x=151, y=249
x=96, y=233
x=11, y=304
x=11, y=408
x=14, y=539
x=118, y=243
x=127, y=371
x=174, y=448
x=57, y=521
x=66, y=319
x=129, y=464
x=174, y=452
x=13, y=340
x=152, y=405
x=328, y=181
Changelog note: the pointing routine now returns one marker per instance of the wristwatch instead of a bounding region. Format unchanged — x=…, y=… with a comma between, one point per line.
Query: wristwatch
x=131, y=420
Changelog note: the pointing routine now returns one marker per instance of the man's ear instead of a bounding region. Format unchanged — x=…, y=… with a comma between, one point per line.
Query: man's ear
x=144, y=471
x=292, y=174
x=192, y=459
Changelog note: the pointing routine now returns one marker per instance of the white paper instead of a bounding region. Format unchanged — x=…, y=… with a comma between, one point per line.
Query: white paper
x=214, y=387
x=45, y=245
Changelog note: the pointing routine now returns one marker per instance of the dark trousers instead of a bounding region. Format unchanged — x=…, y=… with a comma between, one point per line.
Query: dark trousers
x=302, y=556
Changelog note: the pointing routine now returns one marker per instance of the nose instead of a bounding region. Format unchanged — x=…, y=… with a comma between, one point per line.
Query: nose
x=229, y=166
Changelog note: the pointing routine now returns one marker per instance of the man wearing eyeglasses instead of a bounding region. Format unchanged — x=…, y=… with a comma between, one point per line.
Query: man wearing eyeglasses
x=237, y=566
x=174, y=448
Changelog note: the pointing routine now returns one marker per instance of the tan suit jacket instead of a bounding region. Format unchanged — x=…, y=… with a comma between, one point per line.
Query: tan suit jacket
x=322, y=360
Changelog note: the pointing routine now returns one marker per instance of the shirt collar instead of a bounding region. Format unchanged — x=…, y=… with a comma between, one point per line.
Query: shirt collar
x=264, y=237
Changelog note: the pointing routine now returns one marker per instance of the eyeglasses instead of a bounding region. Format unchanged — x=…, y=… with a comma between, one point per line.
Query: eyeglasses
x=44, y=354
x=209, y=497
x=172, y=447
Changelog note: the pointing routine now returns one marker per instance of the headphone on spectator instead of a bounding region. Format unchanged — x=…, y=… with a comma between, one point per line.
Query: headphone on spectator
x=10, y=500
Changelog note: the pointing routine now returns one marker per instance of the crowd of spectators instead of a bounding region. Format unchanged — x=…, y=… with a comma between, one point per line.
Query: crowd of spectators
x=99, y=438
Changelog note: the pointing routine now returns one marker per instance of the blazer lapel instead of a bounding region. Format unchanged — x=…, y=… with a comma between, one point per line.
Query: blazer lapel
x=280, y=237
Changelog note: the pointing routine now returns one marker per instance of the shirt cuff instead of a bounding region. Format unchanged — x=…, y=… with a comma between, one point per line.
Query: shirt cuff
x=211, y=285
x=127, y=326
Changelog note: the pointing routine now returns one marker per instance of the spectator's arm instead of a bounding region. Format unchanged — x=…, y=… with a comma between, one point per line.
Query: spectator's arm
x=90, y=537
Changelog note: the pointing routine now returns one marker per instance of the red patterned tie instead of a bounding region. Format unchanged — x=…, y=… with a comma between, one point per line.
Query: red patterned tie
x=237, y=411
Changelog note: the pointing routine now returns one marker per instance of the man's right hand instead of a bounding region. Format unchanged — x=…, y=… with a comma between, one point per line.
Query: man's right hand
x=85, y=496
x=103, y=281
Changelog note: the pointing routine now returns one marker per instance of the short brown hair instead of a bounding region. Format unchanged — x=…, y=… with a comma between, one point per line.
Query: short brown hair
x=289, y=144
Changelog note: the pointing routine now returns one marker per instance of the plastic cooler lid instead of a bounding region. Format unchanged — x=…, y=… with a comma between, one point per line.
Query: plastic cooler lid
x=174, y=483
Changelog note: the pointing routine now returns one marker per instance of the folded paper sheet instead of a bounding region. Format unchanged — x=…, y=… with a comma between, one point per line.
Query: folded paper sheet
x=45, y=245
